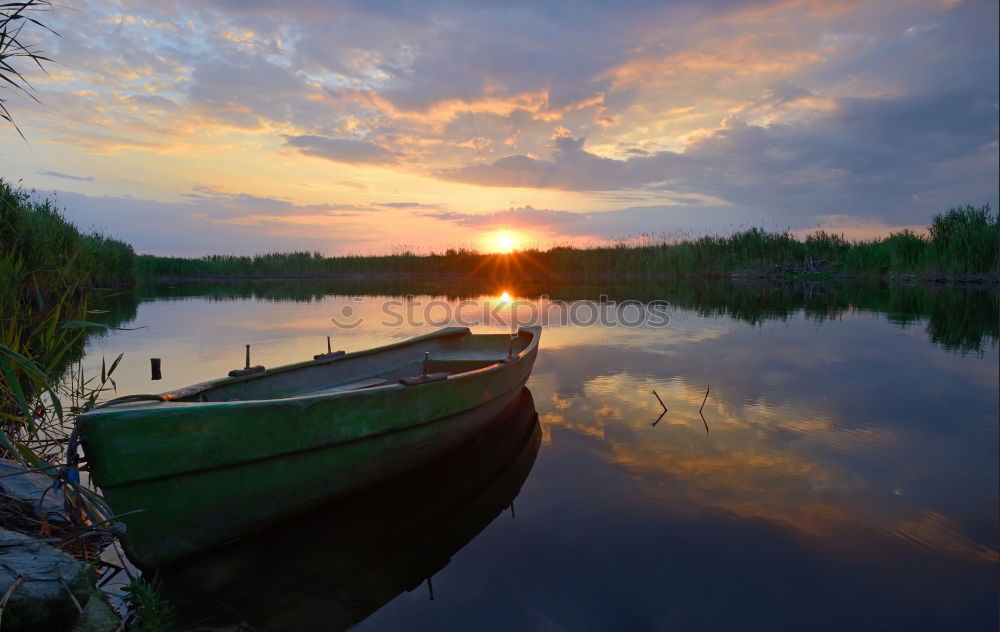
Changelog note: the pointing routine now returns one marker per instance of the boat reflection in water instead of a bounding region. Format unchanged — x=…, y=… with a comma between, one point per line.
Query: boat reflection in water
x=336, y=565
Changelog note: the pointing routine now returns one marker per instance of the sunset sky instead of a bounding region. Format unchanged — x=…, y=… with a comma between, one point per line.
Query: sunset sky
x=227, y=126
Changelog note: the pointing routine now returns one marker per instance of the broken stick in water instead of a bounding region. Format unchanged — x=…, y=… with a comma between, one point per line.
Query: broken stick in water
x=653, y=425
x=661, y=401
x=703, y=407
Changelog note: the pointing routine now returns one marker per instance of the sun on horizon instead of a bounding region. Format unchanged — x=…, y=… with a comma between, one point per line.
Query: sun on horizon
x=502, y=241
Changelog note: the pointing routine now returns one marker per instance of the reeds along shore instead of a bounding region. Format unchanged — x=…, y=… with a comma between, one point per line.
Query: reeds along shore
x=38, y=246
x=46, y=266
x=961, y=242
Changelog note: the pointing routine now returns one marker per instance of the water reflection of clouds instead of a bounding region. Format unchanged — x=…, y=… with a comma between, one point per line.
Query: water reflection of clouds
x=805, y=439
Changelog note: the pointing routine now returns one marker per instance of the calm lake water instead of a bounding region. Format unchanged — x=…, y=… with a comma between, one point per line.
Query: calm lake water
x=842, y=474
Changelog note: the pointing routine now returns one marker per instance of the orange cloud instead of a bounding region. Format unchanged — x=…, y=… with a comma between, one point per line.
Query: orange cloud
x=738, y=58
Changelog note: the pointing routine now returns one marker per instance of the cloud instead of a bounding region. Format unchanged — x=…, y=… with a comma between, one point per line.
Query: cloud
x=570, y=167
x=661, y=220
x=196, y=228
x=211, y=220
x=249, y=90
x=67, y=176
x=874, y=155
x=405, y=205
x=558, y=222
x=217, y=203
x=347, y=150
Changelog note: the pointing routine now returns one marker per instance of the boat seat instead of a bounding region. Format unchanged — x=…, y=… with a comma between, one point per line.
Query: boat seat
x=353, y=386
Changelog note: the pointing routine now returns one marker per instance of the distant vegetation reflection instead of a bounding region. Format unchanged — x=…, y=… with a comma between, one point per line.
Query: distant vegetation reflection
x=960, y=319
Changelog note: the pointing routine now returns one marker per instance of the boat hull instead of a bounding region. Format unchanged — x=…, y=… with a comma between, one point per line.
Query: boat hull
x=198, y=476
x=354, y=555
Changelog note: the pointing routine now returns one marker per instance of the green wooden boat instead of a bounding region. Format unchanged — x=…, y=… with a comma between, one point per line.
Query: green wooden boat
x=206, y=464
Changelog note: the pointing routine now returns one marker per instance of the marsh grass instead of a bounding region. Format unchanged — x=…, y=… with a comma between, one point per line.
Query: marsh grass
x=46, y=265
x=149, y=611
x=965, y=239
x=961, y=241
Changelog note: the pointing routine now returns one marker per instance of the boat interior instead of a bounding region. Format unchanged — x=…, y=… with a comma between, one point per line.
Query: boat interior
x=414, y=361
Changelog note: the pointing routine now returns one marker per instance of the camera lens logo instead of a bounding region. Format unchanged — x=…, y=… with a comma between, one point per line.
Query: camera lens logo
x=347, y=317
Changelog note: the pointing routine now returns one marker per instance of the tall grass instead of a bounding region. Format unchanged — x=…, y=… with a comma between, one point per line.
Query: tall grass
x=965, y=239
x=45, y=266
x=961, y=241
x=53, y=251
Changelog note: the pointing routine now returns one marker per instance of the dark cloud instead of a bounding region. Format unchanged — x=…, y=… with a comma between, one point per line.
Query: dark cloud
x=445, y=50
x=67, y=176
x=359, y=152
x=244, y=90
x=570, y=168
x=868, y=155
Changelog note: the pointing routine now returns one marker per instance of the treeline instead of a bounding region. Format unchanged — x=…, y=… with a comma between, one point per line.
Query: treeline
x=962, y=241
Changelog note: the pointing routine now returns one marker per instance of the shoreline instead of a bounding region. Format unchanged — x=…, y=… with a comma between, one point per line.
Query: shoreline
x=978, y=280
